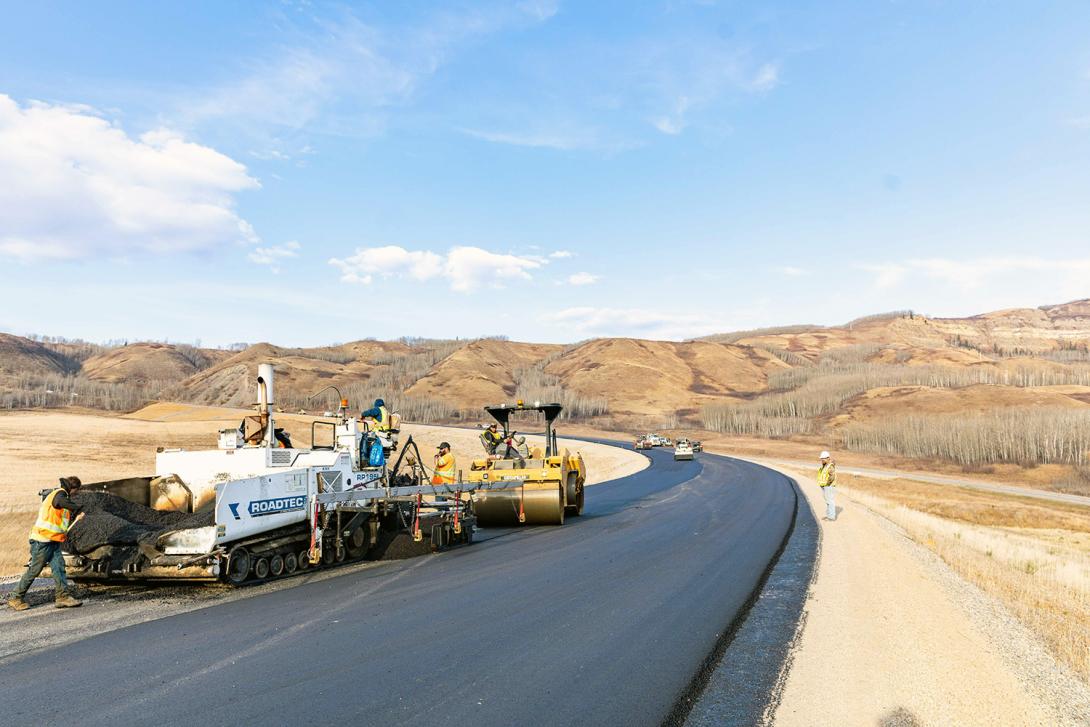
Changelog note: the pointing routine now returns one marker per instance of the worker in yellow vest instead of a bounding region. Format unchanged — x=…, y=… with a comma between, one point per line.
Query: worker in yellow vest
x=55, y=517
x=826, y=479
x=492, y=440
x=444, y=466
x=381, y=416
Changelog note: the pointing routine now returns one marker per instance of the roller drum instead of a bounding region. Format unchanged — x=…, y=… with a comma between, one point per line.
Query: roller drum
x=542, y=506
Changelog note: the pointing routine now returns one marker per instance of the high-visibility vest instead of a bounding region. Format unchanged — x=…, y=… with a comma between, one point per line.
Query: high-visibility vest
x=52, y=522
x=444, y=470
x=826, y=475
x=382, y=423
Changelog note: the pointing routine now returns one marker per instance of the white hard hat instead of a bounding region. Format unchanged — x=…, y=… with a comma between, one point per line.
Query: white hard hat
x=824, y=455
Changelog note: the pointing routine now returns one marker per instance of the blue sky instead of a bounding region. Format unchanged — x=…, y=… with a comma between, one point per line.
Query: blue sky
x=305, y=172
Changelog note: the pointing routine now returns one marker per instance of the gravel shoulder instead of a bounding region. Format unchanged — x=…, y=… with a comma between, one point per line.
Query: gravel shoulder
x=892, y=637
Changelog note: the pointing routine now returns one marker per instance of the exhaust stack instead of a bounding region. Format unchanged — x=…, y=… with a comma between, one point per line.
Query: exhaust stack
x=265, y=400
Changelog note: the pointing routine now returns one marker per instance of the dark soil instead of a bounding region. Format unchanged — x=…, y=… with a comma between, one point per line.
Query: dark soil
x=112, y=520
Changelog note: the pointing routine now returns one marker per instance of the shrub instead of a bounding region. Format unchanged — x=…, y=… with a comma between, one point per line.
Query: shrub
x=745, y=419
x=533, y=384
x=1027, y=437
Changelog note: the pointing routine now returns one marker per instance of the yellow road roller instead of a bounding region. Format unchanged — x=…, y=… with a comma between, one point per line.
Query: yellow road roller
x=553, y=481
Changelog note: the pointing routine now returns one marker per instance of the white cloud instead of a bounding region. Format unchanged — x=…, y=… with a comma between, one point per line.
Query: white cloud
x=465, y=268
x=274, y=255
x=583, y=279
x=388, y=261
x=470, y=267
x=74, y=185
x=561, y=254
x=792, y=271
x=634, y=322
x=971, y=274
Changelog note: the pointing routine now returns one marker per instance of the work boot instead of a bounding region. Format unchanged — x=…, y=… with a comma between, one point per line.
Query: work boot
x=16, y=603
x=66, y=601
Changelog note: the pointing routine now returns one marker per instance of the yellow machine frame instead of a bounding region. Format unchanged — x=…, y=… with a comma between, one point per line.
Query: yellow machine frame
x=553, y=481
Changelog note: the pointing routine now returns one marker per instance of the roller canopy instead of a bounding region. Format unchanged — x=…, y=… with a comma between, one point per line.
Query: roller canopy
x=502, y=414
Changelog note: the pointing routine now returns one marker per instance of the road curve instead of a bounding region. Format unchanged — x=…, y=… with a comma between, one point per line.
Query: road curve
x=604, y=621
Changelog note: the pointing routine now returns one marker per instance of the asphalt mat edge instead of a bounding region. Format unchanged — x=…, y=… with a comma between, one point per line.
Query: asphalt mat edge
x=743, y=677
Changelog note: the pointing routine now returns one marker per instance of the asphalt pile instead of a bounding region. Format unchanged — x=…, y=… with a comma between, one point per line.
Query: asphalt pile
x=112, y=520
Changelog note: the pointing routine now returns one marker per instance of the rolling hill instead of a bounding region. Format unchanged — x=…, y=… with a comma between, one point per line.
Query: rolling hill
x=825, y=375
x=149, y=362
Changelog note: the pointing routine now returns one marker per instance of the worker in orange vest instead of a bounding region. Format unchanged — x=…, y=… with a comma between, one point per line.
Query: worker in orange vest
x=55, y=517
x=444, y=466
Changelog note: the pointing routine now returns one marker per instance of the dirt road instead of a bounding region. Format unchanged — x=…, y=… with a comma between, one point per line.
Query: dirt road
x=892, y=637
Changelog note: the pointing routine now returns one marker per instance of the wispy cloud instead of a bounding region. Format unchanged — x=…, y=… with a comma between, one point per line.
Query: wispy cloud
x=673, y=123
x=464, y=269
x=273, y=255
x=75, y=185
x=583, y=279
x=561, y=254
x=612, y=95
x=886, y=275
x=766, y=78
x=540, y=9
x=554, y=139
x=688, y=79
x=343, y=76
x=792, y=271
x=639, y=322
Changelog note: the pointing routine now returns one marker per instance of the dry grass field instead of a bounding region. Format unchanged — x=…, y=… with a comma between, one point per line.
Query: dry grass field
x=38, y=447
x=1051, y=477
x=1033, y=557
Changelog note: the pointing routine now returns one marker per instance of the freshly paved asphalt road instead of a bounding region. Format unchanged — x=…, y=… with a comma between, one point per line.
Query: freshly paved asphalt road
x=603, y=621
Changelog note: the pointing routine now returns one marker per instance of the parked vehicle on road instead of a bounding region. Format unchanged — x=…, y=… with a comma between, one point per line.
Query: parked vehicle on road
x=683, y=450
